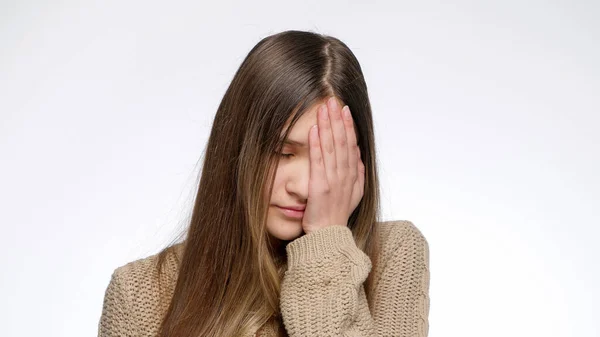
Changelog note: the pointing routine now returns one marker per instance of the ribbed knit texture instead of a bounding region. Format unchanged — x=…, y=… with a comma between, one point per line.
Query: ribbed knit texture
x=322, y=293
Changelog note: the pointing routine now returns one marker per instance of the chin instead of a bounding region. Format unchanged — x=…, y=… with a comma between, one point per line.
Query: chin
x=289, y=236
x=284, y=229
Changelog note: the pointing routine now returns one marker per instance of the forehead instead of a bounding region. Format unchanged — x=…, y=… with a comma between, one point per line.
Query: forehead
x=299, y=132
x=298, y=135
x=304, y=123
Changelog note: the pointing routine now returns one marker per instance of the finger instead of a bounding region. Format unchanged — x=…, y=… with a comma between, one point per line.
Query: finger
x=358, y=187
x=339, y=134
x=327, y=146
x=361, y=174
x=317, y=170
x=351, y=139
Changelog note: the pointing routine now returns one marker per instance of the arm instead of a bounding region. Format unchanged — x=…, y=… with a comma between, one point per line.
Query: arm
x=115, y=319
x=322, y=292
x=402, y=294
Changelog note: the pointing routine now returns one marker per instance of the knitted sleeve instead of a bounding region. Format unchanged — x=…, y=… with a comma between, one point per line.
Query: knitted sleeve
x=322, y=293
x=115, y=319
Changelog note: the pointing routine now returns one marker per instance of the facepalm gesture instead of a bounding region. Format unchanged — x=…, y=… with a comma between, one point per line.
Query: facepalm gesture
x=337, y=174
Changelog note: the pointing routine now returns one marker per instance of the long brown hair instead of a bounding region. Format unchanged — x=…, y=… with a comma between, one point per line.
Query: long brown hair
x=229, y=275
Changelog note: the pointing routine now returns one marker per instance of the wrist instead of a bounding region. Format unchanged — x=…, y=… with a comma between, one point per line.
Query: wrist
x=324, y=242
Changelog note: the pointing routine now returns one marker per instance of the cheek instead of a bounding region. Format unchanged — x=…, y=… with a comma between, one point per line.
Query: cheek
x=277, y=183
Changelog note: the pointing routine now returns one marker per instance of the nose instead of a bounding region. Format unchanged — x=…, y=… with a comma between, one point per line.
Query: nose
x=297, y=183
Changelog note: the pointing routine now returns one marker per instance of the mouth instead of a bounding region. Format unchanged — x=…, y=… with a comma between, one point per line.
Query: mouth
x=291, y=213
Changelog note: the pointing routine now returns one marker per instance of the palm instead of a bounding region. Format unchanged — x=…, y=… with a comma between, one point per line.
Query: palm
x=336, y=183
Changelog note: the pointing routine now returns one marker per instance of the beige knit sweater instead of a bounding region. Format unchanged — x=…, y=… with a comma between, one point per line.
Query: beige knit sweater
x=322, y=293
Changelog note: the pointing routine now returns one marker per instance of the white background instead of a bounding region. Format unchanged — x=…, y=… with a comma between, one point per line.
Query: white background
x=486, y=114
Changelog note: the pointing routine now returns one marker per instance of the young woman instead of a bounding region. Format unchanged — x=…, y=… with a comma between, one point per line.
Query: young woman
x=284, y=238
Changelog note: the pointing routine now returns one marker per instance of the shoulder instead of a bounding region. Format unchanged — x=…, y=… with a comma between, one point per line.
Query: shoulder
x=139, y=291
x=396, y=232
x=401, y=239
x=141, y=273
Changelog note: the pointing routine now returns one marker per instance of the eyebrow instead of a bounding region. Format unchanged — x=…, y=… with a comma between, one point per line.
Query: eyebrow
x=294, y=142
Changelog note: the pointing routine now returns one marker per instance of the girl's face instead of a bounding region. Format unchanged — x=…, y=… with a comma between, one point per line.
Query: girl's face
x=290, y=188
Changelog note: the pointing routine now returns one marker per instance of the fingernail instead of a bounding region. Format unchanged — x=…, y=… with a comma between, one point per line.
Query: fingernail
x=346, y=111
x=332, y=102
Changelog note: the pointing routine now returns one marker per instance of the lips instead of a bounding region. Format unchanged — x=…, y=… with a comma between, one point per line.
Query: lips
x=295, y=208
x=291, y=212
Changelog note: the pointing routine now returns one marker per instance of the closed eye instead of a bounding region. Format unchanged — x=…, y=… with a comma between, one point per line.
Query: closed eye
x=286, y=155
